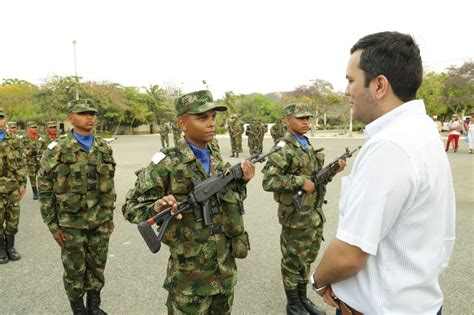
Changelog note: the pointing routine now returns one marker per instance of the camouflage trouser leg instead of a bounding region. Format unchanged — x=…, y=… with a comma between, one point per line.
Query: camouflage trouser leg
x=84, y=256
x=9, y=212
x=299, y=248
x=239, y=144
x=219, y=304
x=33, y=174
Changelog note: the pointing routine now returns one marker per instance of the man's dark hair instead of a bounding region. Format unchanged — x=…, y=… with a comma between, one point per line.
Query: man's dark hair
x=395, y=56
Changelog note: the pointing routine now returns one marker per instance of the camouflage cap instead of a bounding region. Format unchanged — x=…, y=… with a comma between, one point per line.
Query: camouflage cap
x=2, y=113
x=51, y=124
x=12, y=124
x=81, y=106
x=298, y=110
x=196, y=103
x=32, y=124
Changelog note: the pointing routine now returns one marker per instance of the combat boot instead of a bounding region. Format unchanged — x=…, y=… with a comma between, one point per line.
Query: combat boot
x=35, y=193
x=93, y=303
x=232, y=154
x=78, y=307
x=294, y=305
x=3, y=253
x=237, y=154
x=308, y=305
x=11, y=252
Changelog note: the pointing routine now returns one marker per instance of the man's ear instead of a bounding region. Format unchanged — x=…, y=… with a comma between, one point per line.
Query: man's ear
x=382, y=86
x=181, y=120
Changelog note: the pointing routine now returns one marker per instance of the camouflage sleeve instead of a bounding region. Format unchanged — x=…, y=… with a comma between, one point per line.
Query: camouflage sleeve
x=275, y=177
x=21, y=172
x=150, y=186
x=46, y=177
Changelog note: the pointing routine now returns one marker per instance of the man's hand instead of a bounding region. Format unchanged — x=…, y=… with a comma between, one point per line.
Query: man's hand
x=111, y=226
x=342, y=165
x=308, y=186
x=329, y=297
x=60, y=238
x=165, y=203
x=248, y=170
x=21, y=191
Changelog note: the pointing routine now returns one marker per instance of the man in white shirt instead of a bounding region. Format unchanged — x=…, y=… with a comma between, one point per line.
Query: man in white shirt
x=397, y=210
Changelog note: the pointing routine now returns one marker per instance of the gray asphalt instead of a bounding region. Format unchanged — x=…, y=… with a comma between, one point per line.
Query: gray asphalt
x=134, y=275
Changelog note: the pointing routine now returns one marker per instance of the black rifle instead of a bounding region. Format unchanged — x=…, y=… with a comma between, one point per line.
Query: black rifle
x=320, y=179
x=198, y=199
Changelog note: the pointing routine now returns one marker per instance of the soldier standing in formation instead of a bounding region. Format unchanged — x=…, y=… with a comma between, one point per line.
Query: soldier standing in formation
x=12, y=190
x=164, y=132
x=251, y=133
x=32, y=144
x=287, y=172
x=202, y=271
x=51, y=133
x=278, y=130
x=176, y=132
x=262, y=129
x=77, y=203
x=236, y=129
x=13, y=128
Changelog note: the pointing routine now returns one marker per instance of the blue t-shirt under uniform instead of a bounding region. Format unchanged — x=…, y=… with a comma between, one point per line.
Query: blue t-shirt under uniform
x=203, y=156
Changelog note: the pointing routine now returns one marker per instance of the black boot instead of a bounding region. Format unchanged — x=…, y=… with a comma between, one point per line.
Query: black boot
x=294, y=305
x=93, y=303
x=232, y=154
x=237, y=154
x=308, y=305
x=11, y=252
x=35, y=193
x=78, y=307
x=3, y=253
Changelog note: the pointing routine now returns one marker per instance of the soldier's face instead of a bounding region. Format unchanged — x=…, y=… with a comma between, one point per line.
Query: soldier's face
x=83, y=122
x=12, y=129
x=297, y=125
x=3, y=122
x=199, y=129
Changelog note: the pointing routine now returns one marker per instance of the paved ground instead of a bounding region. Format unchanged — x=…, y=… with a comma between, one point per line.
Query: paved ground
x=134, y=276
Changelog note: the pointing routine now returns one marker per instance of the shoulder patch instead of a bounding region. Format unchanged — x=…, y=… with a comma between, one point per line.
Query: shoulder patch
x=158, y=157
x=52, y=145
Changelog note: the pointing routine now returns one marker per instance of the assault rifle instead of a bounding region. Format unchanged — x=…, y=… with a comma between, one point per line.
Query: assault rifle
x=320, y=179
x=198, y=199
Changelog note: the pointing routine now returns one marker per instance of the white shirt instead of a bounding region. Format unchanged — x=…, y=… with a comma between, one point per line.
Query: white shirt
x=398, y=205
x=454, y=124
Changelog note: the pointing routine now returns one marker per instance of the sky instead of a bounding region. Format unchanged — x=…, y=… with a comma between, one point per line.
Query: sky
x=244, y=46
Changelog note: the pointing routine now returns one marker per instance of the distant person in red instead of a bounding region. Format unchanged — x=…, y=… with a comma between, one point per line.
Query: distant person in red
x=455, y=128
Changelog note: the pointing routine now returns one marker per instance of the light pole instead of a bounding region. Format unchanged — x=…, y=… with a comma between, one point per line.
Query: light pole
x=75, y=69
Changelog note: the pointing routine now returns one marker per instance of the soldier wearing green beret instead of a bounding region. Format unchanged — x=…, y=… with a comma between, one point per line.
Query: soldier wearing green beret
x=12, y=190
x=286, y=172
x=32, y=144
x=77, y=195
x=202, y=270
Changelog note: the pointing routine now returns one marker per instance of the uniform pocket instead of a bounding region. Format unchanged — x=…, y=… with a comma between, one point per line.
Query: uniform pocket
x=106, y=177
x=69, y=202
x=187, y=255
x=240, y=245
x=232, y=214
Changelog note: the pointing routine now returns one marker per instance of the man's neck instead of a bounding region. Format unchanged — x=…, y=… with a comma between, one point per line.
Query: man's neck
x=82, y=132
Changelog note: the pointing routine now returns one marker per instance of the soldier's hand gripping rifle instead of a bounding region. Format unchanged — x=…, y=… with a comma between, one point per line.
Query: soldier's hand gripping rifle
x=198, y=199
x=320, y=179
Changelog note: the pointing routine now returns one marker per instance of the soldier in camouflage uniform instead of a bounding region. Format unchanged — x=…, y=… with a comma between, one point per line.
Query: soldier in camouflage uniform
x=251, y=133
x=278, y=130
x=13, y=128
x=285, y=173
x=77, y=195
x=261, y=131
x=176, y=132
x=236, y=129
x=32, y=145
x=164, y=134
x=202, y=271
x=51, y=134
x=12, y=190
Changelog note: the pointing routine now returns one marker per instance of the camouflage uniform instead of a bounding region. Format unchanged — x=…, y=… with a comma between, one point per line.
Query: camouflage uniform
x=202, y=271
x=33, y=150
x=236, y=130
x=278, y=130
x=261, y=130
x=252, y=133
x=164, y=132
x=176, y=132
x=77, y=196
x=302, y=232
x=12, y=176
x=48, y=138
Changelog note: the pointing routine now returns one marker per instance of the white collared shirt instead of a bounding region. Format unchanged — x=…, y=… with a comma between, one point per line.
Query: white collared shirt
x=398, y=205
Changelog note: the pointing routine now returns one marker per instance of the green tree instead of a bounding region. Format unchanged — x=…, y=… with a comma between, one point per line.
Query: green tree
x=431, y=91
x=459, y=88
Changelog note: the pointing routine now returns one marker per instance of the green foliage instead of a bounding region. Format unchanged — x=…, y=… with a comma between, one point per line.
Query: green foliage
x=431, y=91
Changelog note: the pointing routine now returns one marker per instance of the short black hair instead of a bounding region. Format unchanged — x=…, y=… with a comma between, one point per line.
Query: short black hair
x=394, y=55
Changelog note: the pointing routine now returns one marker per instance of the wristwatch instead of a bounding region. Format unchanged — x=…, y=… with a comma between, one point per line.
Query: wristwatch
x=313, y=285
